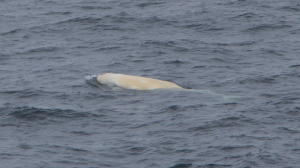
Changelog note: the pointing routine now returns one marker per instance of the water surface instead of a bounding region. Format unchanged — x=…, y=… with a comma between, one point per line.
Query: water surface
x=50, y=117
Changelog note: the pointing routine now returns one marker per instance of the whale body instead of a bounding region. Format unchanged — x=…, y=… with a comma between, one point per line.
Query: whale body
x=134, y=82
x=144, y=83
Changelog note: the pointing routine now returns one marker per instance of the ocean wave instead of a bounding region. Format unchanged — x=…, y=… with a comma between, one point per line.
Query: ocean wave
x=90, y=7
x=203, y=27
x=246, y=15
x=42, y=49
x=10, y=32
x=295, y=66
x=292, y=8
x=267, y=27
x=182, y=165
x=4, y=57
x=80, y=20
x=258, y=80
x=35, y=114
x=242, y=43
x=236, y=121
x=27, y=93
x=214, y=165
x=175, y=62
x=149, y=4
x=58, y=13
x=108, y=48
x=164, y=44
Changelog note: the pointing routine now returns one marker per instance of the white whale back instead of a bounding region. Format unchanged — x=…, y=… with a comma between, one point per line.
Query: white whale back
x=135, y=82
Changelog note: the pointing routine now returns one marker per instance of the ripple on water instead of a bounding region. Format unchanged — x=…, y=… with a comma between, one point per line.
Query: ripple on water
x=36, y=115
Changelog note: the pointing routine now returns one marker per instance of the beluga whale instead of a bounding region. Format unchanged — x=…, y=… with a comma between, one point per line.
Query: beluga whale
x=134, y=82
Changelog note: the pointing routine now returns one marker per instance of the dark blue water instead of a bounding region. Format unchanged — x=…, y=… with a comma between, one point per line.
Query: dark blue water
x=50, y=117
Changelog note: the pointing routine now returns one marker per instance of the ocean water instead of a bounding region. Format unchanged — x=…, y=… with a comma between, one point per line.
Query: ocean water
x=50, y=117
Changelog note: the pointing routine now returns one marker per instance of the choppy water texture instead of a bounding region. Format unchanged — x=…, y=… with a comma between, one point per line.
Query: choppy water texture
x=50, y=117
